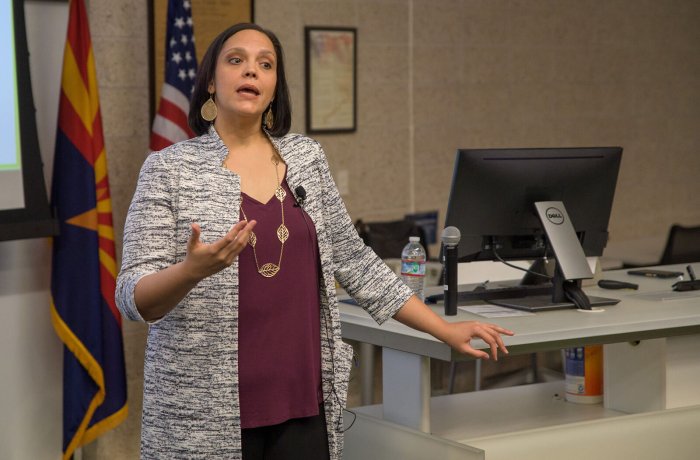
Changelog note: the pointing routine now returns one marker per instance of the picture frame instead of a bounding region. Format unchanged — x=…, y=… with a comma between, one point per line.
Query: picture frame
x=330, y=55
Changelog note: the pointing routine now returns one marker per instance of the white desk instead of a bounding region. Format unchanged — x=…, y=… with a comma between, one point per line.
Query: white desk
x=633, y=331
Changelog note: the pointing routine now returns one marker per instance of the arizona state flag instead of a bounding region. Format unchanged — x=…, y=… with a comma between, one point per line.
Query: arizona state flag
x=84, y=267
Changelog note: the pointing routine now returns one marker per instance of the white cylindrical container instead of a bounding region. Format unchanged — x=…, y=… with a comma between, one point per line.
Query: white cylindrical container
x=584, y=374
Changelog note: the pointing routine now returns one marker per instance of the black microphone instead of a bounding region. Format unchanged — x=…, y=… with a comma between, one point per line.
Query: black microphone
x=450, y=239
x=301, y=196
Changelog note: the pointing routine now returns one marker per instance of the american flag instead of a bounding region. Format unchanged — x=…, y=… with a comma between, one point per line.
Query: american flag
x=170, y=123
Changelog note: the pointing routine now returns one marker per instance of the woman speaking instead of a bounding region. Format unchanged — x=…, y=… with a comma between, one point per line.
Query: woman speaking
x=232, y=246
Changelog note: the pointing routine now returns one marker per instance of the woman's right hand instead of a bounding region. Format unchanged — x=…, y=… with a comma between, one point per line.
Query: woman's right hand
x=158, y=293
x=203, y=259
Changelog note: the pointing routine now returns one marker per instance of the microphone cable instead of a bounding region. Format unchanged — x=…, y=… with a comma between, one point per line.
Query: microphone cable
x=301, y=193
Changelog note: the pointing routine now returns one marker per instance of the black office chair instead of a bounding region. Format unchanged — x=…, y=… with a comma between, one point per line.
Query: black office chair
x=388, y=239
x=682, y=246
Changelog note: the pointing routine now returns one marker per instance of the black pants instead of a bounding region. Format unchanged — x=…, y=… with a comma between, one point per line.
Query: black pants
x=299, y=438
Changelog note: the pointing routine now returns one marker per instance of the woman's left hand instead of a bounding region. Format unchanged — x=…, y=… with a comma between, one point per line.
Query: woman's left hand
x=459, y=335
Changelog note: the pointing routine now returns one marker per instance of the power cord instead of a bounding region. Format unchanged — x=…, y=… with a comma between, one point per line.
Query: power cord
x=333, y=392
x=498, y=257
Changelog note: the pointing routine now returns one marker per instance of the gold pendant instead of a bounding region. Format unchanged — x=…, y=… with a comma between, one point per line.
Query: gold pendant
x=252, y=239
x=282, y=233
x=269, y=270
x=280, y=193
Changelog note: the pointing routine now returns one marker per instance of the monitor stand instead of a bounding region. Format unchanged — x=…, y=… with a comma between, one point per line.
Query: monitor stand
x=554, y=300
x=571, y=264
x=545, y=303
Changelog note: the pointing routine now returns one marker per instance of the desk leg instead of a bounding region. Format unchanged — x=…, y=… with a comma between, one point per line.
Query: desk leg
x=367, y=373
x=635, y=376
x=406, y=389
x=682, y=371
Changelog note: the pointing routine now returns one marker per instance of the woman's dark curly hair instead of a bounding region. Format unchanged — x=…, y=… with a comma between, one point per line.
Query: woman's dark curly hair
x=281, y=105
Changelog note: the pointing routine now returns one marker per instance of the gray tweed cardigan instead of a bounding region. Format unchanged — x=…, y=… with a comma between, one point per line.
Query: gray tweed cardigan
x=190, y=404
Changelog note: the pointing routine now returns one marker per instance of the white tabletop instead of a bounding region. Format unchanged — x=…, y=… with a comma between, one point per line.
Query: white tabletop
x=652, y=312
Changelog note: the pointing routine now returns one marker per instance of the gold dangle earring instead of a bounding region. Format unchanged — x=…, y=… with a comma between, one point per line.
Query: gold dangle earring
x=269, y=117
x=208, y=110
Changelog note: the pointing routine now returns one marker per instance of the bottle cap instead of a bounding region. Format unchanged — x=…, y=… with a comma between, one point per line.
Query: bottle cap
x=414, y=239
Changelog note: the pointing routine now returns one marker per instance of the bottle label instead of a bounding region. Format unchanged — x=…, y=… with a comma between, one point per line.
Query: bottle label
x=412, y=267
x=584, y=370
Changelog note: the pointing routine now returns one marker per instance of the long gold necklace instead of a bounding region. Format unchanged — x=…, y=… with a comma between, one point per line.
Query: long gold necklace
x=269, y=269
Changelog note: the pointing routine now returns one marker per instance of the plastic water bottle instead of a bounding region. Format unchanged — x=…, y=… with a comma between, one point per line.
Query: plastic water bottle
x=413, y=266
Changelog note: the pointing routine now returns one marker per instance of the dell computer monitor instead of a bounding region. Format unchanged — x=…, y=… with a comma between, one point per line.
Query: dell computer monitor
x=494, y=191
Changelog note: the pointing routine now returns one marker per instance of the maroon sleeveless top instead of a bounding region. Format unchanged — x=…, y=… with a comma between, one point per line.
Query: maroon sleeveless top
x=279, y=351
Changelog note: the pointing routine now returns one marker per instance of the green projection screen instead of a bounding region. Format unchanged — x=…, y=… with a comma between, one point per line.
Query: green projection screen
x=24, y=207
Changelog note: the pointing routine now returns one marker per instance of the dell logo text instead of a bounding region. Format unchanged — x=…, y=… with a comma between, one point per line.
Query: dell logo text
x=555, y=216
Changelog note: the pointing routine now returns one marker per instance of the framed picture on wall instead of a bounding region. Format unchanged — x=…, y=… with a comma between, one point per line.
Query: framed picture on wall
x=331, y=88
